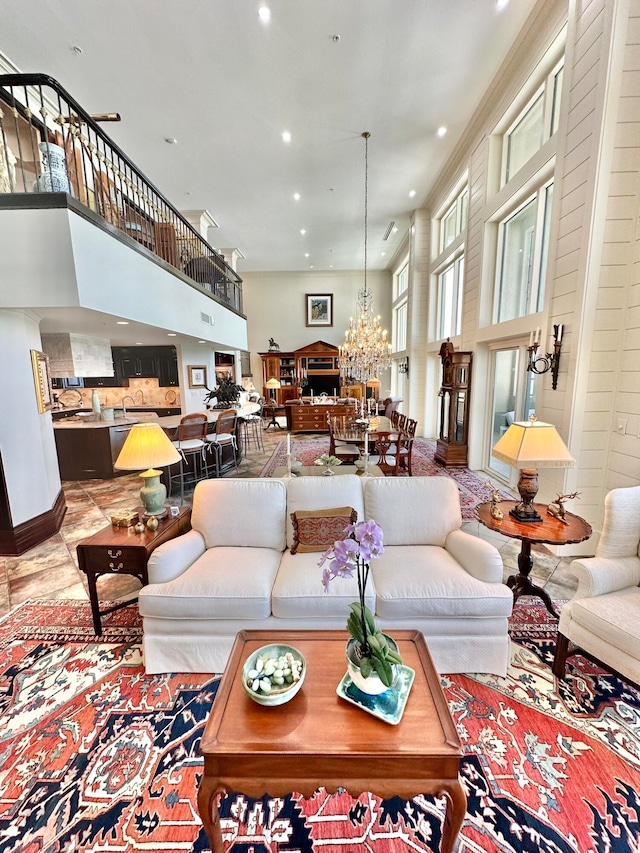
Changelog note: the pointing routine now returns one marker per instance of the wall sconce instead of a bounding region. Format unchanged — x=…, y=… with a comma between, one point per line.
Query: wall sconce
x=403, y=366
x=551, y=361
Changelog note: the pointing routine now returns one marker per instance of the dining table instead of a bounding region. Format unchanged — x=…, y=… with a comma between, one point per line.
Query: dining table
x=355, y=430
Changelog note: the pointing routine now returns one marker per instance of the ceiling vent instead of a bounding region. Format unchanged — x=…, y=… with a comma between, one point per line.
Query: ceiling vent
x=207, y=318
x=389, y=230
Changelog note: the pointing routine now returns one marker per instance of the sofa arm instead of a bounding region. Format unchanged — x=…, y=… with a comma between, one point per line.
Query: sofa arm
x=599, y=575
x=476, y=556
x=174, y=557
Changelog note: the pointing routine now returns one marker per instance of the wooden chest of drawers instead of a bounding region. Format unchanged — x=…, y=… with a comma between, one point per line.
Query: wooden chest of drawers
x=310, y=418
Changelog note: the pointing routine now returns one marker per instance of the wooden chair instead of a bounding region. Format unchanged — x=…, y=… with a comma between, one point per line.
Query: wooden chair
x=224, y=436
x=191, y=444
x=386, y=453
x=343, y=451
x=409, y=434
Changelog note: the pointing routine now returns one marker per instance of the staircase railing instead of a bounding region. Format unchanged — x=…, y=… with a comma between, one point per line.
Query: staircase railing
x=49, y=143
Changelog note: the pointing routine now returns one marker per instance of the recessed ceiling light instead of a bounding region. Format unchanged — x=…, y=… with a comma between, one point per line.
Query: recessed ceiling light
x=310, y=266
x=303, y=230
x=442, y=131
x=395, y=229
x=500, y=4
x=171, y=140
x=264, y=13
x=202, y=342
x=139, y=344
x=296, y=196
x=76, y=49
x=412, y=193
x=330, y=266
x=306, y=254
x=286, y=136
x=122, y=322
x=171, y=334
x=383, y=254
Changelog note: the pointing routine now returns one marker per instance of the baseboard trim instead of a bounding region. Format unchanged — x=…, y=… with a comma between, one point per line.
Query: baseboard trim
x=14, y=541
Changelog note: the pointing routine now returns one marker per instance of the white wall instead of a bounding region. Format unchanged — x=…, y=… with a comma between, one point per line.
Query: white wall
x=275, y=303
x=27, y=444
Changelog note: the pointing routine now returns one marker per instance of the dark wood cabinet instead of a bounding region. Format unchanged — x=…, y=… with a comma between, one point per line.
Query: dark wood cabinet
x=168, y=369
x=146, y=363
x=101, y=381
x=452, y=446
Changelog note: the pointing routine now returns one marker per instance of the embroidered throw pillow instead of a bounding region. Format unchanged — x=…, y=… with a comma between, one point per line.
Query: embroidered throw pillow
x=317, y=529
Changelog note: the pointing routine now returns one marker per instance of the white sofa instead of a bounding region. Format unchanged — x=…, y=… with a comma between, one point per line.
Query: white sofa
x=235, y=570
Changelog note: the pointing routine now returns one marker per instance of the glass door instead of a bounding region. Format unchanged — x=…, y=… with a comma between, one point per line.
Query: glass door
x=514, y=399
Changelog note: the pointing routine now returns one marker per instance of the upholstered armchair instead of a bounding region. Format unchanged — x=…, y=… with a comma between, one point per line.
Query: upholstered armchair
x=602, y=620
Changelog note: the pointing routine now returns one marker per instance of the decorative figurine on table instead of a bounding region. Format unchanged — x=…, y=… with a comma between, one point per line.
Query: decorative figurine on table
x=495, y=510
x=556, y=508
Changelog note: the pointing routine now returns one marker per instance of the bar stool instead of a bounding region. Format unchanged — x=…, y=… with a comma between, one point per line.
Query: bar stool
x=224, y=436
x=251, y=431
x=191, y=445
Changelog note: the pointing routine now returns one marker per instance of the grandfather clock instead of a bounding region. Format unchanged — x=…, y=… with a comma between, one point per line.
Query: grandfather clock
x=452, y=446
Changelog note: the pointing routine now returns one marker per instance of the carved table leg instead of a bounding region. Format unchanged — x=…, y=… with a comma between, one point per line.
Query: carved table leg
x=209, y=796
x=456, y=808
x=521, y=584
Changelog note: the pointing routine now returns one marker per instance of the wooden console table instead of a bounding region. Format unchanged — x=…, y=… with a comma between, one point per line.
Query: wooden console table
x=307, y=417
x=319, y=740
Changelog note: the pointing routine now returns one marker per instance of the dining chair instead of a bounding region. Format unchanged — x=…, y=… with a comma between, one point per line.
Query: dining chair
x=224, y=436
x=342, y=450
x=409, y=435
x=190, y=443
x=386, y=452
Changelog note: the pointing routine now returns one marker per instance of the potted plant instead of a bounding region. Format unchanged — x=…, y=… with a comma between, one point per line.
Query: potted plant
x=371, y=655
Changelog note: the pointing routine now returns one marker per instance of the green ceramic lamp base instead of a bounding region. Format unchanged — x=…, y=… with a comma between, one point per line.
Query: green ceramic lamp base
x=153, y=494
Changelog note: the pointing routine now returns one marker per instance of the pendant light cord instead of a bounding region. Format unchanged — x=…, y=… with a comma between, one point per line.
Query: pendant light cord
x=366, y=136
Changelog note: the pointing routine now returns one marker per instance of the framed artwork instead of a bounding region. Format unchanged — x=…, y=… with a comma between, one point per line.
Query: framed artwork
x=42, y=380
x=319, y=307
x=197, y=376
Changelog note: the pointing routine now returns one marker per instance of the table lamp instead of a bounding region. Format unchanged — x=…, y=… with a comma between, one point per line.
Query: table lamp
x=272, y=385
x=530, y=445
x=148, y=446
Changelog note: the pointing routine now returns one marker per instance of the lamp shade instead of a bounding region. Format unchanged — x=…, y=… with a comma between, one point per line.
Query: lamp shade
x=533, y=444
x=273, y=383
x=146, y=446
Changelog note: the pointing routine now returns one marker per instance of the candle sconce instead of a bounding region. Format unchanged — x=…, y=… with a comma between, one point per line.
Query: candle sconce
x=551, y=361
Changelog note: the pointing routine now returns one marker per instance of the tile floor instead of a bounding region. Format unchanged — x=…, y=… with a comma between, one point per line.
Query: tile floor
x=50, y=570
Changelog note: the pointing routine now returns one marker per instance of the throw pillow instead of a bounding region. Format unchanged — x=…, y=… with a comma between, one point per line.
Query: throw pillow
x=317, y=529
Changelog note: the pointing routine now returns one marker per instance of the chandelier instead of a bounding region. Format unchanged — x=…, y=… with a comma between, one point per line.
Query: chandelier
x=365, y=352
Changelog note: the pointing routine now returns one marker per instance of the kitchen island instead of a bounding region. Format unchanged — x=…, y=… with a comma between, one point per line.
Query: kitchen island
x=88, y=446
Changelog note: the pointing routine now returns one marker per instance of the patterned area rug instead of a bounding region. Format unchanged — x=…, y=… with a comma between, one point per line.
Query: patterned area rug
x=97, y=756
x=472, y=487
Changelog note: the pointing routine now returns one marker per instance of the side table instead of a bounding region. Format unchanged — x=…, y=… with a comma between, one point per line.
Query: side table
x=120, y=550
x=550, y=531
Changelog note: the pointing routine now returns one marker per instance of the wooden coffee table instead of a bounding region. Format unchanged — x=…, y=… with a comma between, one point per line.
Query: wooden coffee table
x=320, y=740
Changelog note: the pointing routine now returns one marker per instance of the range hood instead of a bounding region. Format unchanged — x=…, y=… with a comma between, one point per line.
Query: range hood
x=77, y=355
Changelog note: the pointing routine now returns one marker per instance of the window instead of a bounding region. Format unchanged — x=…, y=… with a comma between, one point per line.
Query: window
x=400, y=294
x=454, y=221
x=523, y=247
x=449, y=296
x=534, y=125
x=401, y=281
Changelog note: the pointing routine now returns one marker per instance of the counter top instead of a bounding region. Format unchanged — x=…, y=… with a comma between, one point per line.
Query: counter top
x=166, y=422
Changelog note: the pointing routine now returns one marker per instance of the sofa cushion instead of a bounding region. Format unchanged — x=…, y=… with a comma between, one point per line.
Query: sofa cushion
x=614, y=618
x=413, y=510
x=323, y=493
x=228, y=583
x=241, y=512
x=318, y=529
x=427, y=582
x=298, y=591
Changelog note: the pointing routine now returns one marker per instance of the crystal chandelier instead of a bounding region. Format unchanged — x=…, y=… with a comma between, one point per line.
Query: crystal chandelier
x=365, y=352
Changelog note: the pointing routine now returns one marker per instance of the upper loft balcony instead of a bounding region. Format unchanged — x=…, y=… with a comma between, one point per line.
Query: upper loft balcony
x=53, y=153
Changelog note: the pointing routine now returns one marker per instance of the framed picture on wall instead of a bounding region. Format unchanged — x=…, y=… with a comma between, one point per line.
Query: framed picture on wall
x=197, y=376
x=42, y=380
x=319, y=308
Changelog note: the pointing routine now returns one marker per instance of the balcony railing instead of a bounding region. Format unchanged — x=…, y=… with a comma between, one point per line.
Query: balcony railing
x=49, y=143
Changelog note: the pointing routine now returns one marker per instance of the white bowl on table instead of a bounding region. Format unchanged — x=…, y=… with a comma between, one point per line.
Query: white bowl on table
x=278, y=694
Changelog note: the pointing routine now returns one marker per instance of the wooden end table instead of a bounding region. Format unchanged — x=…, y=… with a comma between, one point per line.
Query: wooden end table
x=120, y=550
x=549, y=531
x=319, y=740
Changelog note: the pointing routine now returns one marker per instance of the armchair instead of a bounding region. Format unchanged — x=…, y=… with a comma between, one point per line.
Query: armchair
x=602, y=620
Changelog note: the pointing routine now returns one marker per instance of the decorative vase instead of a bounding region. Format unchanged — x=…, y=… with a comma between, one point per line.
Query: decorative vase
x=54, y=178
x=95, y=402
x=372, y=685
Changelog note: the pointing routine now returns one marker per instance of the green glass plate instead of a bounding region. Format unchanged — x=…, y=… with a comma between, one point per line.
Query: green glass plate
x=387, y=706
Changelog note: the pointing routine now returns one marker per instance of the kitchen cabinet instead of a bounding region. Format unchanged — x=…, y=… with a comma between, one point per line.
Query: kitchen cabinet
x=168, y=368
x=87, y=454
x=101, y=381
x=159, y=363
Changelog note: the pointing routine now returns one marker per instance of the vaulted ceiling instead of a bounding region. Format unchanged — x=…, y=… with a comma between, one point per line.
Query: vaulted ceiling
x=213, y=76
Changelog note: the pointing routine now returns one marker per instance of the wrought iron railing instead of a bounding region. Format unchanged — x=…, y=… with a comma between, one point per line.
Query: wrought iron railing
x=49, y=143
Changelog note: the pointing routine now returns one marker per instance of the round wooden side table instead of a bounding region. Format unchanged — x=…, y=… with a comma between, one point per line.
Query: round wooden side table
x=549, y=531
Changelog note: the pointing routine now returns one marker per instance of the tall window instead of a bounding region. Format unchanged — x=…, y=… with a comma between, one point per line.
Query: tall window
x=449, y=311
x=523, y=248
x=454, y=221
x=400, y=293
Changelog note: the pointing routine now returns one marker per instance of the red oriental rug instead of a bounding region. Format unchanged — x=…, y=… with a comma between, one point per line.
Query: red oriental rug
x=473, y=488
x=97, y=756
